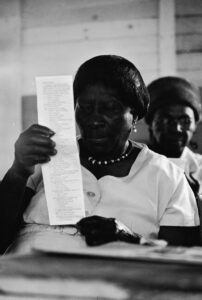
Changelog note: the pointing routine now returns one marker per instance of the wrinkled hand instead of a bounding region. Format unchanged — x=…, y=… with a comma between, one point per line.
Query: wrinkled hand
x=99, y=230
x=33, y=146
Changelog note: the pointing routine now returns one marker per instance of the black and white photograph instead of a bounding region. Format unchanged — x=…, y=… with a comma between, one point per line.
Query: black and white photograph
x=101, y=149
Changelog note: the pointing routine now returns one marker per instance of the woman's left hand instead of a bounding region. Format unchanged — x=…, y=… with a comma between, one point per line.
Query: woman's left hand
x=99, y=230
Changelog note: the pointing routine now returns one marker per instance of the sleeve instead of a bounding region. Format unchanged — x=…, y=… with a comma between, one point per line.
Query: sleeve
x=13, y=195
x=181, y=207
x=35, y=179
x=198, y=173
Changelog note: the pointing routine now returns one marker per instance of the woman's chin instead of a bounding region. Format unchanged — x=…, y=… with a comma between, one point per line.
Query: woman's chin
x=98, y=146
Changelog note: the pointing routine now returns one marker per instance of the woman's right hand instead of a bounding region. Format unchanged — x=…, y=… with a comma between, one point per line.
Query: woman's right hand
x=33, y=146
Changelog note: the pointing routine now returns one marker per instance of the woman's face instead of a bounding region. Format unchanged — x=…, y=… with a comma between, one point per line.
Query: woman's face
x=172, y=129
x=104, y=122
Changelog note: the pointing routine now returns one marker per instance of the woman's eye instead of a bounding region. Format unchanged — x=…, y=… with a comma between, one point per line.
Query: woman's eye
x=113, y=108
x=187, y=121
x=85, y=108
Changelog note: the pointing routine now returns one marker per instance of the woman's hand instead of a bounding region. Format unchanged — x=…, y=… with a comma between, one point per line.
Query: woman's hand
x=99, y=230
x=33, y=146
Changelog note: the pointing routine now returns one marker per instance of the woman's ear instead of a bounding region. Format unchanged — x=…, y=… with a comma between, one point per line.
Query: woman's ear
x=134, y=124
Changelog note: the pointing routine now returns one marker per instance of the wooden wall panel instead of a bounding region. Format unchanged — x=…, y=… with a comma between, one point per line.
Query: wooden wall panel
x=39, y=13
x=189, y=39
x=58, y=41
x=189, y=49
x=91, y=31
x=194, y=76
x=10, y=80
x=188, y=7
x=190, y=61
x=29, y=111
x=188, y=25
x=189, y=43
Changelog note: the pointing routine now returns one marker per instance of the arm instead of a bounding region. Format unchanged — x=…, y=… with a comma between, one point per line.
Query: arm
x=13, y=197
x=179, y=224
x=33, y=146
x=180, y=236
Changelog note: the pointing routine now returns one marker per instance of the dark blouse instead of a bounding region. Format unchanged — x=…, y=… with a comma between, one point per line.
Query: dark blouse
x=14, y=197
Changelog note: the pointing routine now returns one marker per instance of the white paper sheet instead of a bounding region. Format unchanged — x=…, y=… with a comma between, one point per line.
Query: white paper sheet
x=62, y=175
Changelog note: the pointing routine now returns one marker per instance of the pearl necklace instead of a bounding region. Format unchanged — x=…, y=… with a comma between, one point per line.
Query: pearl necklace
x=94, y=161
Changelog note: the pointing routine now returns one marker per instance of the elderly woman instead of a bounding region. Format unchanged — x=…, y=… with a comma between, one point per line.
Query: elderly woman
x=123, y=181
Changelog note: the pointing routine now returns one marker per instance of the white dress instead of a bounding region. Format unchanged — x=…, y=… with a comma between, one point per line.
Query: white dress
x=191, y=163
x=155, y=193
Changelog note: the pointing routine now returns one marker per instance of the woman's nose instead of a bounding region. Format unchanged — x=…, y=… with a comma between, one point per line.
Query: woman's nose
x=96, y=124
x=176, y=126
x=96, y=109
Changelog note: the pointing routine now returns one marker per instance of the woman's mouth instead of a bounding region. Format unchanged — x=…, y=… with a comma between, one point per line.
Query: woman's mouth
x=97, y=140
x=176, y=140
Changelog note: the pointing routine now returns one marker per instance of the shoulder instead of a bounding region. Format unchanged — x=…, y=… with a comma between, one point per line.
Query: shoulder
x=190, y=155
x=163, y=176
x=157, y=162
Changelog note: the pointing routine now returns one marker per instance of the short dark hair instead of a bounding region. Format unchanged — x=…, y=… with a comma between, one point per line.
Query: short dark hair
x=173, y=90
x=114, y=72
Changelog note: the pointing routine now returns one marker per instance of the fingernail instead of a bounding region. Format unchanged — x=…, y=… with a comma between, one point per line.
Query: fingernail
x=51, y=132
x=54, y=151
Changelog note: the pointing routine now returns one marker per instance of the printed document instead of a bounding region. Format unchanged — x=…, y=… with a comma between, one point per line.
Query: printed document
x=62, y=175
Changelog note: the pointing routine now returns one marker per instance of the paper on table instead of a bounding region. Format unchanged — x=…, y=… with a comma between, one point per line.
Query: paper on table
x=62, y=175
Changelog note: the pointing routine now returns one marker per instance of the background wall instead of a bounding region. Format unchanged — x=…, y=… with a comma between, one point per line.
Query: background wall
x=188, y=19
x=48, y=37
x=10, y=79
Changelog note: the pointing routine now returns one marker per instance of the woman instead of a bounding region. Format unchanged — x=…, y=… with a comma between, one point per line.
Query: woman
x=122, y=179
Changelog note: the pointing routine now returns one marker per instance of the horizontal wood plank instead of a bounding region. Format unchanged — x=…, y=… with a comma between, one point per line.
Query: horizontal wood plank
x=189, y=43
x=39, y=13
x=90, y=31
x=189, y=61
x=188, y=7
x=75, y=53
x=189, y=25
x=192, y=75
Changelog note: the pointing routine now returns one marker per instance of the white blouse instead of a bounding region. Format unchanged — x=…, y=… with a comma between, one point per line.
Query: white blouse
x=155, y=193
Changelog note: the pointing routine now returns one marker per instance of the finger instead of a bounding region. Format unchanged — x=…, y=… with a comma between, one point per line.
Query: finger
x=43, y=159
x=32, y=160
x=41, y=129
x=40, y=150
x=40, y=140
x=24, y=155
